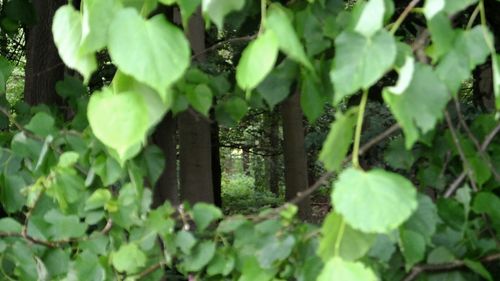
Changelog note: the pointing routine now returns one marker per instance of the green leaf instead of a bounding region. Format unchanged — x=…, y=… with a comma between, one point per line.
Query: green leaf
x=257, y=61
x=10, y=225
x=371, y=19
x=352, y=244
x=107, y=169
x=376, y=201
x=204, y=214
x=97, y=16
x=452, y=212
x=42, y=124
x=278, y=21
x=187, y=7
x=360, y=62
x=425, y=219
x=10, y=192
x=87, y=266
x=251, y=271
x=123, y=129
x=67, y=31
x=68, y=159
x=156, y=52
x=312, y=100
x=478, y=268
x=236, y=107
x=201, y=255
x=154, y=163
x=470, y=49
x=412, y=105
x=98, y=199
x=216, y=10
x=276, y=87
x=275, y=250
x=488, y=203
x=200, y=98
x=5, y=71
x=185, y=241
x=413, y=247
x=397, y=156
x=222, y=263
x=338, y=269
x=64, y=226
x=442, y=34
x=496, y=79
x=339, y=140
x=129, y=258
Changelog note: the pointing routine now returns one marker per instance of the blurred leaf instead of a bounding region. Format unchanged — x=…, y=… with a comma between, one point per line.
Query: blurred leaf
x=204, y=214
x=129, y=258
x=338, y=269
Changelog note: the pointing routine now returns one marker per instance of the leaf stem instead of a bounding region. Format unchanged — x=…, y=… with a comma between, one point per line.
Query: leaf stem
x=473, y=17
x=484, y=23
x=340, y=235
x=359, y=127
x=263, y=15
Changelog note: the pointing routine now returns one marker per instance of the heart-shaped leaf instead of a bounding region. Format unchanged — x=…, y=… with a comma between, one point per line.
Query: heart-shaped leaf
x=123, y=128
x=360, y=61
x=156, y=52
x=376, y=201
x=67, y=31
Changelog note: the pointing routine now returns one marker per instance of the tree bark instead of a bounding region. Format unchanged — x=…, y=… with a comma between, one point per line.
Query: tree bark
x=272, y=120
x=196, y=182
x=216, y=166
x=295, y=154
x=44, y=67
x=167, y=187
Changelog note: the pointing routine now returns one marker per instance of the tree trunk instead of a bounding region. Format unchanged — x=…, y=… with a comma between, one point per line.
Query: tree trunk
x=274, y=143
x=44, y=67
x=295, y=154
x=164, y=137
x=196, y=182
x=245, y=161
x=216, y=166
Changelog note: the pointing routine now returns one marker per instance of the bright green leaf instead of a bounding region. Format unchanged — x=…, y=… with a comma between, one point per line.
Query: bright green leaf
x=414, y=108
x=277, y=20
x=200, y=98
x=338, y=141
x=371, y=19
x=376, y=201
x=156, y=52
x=352, y=244
x=201, y=255
x=97, y=16
x=67, y=31
x=204, y=214
x=129, y=258
x=125, y=127
x=218, y=9
x=360, y=62
x=338, y=269
x=257, y=61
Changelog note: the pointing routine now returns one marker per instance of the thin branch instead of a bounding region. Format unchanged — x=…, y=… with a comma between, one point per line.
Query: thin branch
x=149, y=270
x=489, y=138
x=443, y=267
x=461, y=152
x=222, y=43
x=403, y=15
x=469, y=133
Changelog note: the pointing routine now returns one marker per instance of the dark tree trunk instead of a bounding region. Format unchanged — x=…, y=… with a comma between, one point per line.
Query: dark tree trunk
x=216, y=166
x=273, y=159
x=164, y=137
x=196, y=182
x=245, y=161
x=295, y=154
x=44, y=67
